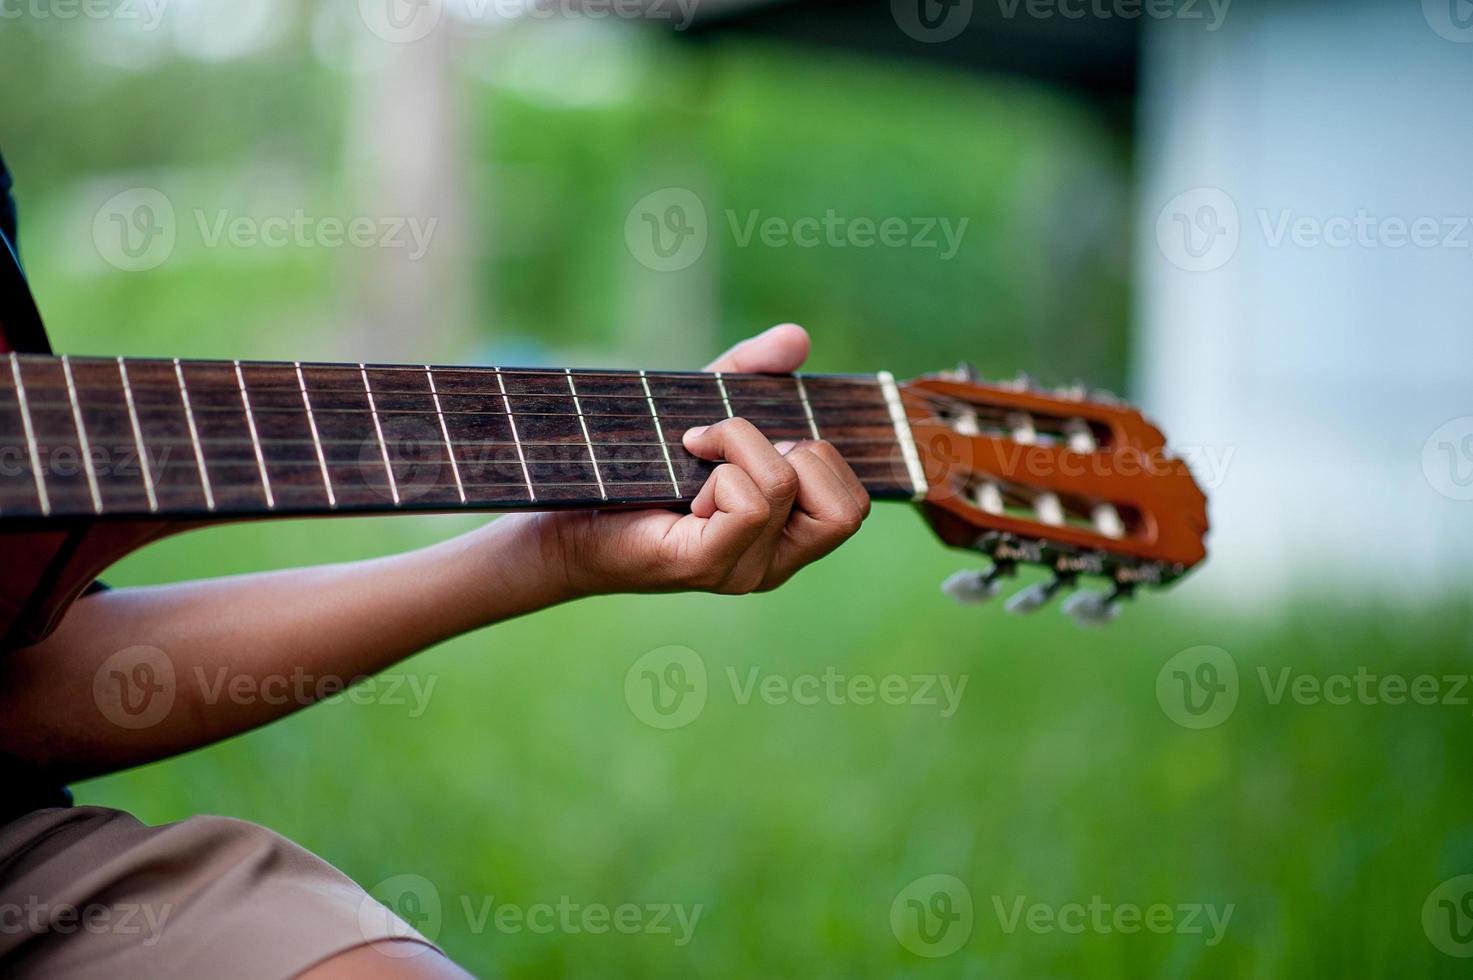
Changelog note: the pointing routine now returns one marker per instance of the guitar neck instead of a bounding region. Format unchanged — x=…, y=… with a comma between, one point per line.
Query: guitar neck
x=139, y=438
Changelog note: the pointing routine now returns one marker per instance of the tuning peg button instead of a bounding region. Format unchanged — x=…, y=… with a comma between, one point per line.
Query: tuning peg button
x=1035, y=597
x=971, y=587
x=1092, y=608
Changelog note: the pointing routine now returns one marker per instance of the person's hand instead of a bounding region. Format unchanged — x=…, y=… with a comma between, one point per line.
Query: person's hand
x=764, y=513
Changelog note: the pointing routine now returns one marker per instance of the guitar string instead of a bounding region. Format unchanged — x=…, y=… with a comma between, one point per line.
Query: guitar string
x=847, y=406
x=613, y=374
x=173, y=388
x=865, y=381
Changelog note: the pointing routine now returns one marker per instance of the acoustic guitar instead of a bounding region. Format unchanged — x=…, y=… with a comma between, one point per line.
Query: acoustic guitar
x=101, y=455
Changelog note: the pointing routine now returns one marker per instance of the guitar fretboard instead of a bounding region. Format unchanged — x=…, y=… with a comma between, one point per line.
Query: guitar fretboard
x=82, y=436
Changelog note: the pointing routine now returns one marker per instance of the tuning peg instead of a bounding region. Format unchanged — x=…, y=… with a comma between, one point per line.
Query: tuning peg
x=1095, y=608
x=971, y=587
x=1035, y=597
x=1076, y=392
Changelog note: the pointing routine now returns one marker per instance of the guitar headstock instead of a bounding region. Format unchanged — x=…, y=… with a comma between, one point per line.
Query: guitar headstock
x=1070, y=480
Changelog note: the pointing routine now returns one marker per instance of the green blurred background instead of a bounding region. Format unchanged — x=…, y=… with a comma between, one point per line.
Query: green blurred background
x=528, y=778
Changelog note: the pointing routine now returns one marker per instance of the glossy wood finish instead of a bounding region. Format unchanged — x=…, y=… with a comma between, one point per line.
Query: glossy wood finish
x=113, y=438
x=1163, y=511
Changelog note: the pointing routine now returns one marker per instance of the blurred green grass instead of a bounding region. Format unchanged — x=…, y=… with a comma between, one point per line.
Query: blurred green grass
x=529, y=778
x=1060, y=778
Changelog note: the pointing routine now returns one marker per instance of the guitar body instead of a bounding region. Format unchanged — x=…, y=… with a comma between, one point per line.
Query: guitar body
x=44, y=571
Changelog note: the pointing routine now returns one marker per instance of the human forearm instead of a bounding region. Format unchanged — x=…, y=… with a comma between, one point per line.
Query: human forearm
x=61, y=706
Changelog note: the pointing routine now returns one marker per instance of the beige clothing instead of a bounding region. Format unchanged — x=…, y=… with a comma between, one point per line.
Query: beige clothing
x=88, y=892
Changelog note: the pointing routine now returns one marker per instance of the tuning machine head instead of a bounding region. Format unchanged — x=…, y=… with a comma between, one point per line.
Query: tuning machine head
x=1090, y=609
x=1035, y=597
x=974, y=587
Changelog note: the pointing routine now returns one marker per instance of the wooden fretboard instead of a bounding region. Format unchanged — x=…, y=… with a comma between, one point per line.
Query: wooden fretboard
x=114, y=437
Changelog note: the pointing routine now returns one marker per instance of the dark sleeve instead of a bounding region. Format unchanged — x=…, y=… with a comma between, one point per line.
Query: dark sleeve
x=7, y=205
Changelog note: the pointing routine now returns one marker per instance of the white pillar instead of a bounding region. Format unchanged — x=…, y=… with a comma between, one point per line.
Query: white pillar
x=1301, y=335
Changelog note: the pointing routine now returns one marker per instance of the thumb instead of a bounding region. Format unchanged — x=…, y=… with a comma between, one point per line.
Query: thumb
x=779, y=350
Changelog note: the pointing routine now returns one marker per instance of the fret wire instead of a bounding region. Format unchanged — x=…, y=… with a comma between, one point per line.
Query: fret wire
x=199, y=450
x=245, y=400
x=526, y=473
x=583, y=423
x=660, y=432
x=725, y=401
x=807, y=408
x=25, y=417
x=445, y=431
x=91, y=471
x=316, y=441
x=379, y=429
x=153, y=501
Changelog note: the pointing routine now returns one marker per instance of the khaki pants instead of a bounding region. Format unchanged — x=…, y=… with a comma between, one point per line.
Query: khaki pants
x=88, y=892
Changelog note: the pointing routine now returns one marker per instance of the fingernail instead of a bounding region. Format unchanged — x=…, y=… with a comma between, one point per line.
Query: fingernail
x=694, y=433
x=783, y=448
